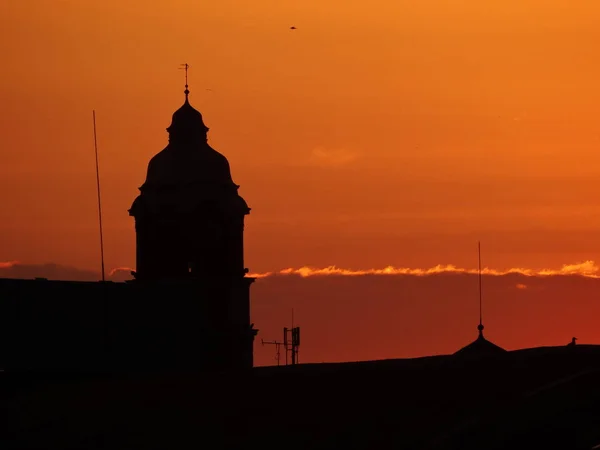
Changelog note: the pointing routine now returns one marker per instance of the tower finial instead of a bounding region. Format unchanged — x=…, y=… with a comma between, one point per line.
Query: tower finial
x=185, y=67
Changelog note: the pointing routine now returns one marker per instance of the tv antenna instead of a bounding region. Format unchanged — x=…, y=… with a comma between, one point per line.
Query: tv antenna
x=291, y=341
x=480, y=326
x=277, y=348
x=99, y=202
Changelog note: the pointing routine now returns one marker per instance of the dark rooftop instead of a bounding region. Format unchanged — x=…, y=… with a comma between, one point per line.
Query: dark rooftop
x=480, y=346
x=535, y=398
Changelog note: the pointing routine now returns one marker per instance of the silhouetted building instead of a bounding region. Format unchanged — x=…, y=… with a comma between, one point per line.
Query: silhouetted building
x=189, y=304
x=189, y=222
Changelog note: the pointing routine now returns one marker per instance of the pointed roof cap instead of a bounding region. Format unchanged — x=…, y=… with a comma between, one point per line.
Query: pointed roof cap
x=480, y=346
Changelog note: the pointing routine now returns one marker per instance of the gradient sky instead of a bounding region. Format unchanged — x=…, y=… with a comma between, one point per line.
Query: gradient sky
x=396, y=135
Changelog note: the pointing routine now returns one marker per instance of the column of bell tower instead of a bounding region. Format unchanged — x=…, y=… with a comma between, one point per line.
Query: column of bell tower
x=189, y=222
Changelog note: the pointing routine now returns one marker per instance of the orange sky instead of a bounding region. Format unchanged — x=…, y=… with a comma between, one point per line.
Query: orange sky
x=397, y=135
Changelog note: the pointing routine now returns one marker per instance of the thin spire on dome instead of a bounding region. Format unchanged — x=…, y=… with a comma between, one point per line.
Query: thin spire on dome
x=185, y=67
x=480, y=346
x=480, y=326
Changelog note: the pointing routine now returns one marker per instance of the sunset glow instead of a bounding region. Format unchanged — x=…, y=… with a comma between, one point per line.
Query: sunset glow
x=385, y=139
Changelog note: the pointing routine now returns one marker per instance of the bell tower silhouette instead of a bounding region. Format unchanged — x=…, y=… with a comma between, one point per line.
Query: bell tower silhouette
x=189, y=216
x=189, y=223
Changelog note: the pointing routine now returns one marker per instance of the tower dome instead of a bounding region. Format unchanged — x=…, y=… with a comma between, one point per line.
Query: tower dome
x=188, y=160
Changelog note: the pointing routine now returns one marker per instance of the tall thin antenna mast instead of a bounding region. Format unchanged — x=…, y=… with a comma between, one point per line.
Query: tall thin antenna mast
x=480, y=327
x=99, y=202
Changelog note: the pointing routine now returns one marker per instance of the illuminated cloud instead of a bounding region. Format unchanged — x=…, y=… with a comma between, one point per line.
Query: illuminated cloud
x=14, y=269
x=7, y=264
x=586, y=269
x=120, y=274
x=321, y=156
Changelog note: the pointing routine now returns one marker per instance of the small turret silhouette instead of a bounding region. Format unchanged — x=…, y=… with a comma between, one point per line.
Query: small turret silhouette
x=573, y=342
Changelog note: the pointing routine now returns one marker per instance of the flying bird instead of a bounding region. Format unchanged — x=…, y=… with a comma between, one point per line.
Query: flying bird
x=292, y=28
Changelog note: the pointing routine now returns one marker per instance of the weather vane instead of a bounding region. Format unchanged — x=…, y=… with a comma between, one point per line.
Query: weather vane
x=185, y=67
